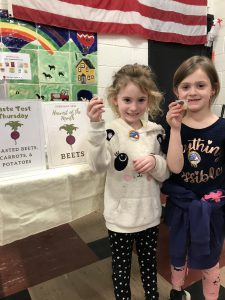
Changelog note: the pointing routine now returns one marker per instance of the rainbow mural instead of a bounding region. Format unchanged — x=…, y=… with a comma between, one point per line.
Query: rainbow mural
x=63, y=48
x=27, y=34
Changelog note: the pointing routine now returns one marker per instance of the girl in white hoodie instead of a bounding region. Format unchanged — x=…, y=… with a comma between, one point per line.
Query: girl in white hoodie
x=128, y=150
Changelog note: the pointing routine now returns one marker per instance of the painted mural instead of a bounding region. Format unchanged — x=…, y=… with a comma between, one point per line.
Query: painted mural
x=63, y=62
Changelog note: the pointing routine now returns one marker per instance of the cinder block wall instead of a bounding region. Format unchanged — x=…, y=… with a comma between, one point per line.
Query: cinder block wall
x=116, y=51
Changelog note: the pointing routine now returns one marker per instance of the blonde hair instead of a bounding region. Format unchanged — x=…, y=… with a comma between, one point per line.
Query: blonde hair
x=142, y=77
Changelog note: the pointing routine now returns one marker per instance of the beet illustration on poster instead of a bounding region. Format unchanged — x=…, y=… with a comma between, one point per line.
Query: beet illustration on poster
x=69, y=128
x=14, y=126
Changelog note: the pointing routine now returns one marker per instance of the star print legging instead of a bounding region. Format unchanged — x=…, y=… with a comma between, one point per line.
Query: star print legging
x=122, y=246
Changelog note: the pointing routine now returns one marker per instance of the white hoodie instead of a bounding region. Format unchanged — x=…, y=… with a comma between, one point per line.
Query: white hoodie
x=131, y=201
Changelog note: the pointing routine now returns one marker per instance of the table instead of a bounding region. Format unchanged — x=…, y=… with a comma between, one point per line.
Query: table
x=36, y=202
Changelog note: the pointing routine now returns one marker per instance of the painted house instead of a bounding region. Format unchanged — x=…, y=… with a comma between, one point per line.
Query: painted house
x=85, y=72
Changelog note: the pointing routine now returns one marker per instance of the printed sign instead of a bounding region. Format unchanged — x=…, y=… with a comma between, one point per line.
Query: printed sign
x=15, y=66
x=66, y=127
x=22, y=138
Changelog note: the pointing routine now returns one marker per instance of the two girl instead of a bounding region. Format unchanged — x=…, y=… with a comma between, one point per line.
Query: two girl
x=129, y=151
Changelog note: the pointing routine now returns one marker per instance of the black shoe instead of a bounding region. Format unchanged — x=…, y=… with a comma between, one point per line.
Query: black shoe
x=179, y=295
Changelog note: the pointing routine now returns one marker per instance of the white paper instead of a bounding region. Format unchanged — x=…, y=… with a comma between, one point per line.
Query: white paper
x=66, y=128
x=22, y=137
x=15, y=66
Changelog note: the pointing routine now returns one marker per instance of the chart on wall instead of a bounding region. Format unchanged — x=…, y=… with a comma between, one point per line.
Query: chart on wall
x=63, y=63
x=14, y=66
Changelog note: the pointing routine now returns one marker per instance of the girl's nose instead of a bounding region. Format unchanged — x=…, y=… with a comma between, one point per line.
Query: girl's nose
x=133, y=106
x=192, y=90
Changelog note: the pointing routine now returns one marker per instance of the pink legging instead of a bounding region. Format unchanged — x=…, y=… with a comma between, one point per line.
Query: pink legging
x=210, y=280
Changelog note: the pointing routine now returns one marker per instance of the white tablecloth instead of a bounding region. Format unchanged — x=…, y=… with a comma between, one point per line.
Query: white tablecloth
x=36, y=202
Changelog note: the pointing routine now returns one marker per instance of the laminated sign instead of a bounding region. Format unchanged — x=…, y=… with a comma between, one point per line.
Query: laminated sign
x=15, y=66
x=22, y=138
x=66, y=127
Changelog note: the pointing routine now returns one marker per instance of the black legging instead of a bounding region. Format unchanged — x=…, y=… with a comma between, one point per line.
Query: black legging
x=121, y=246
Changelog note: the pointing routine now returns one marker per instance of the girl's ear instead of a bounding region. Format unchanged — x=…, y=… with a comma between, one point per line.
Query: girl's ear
x=114, y=101
x=213, y=92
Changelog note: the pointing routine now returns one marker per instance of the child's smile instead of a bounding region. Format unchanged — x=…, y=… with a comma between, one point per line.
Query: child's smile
x=132, y=104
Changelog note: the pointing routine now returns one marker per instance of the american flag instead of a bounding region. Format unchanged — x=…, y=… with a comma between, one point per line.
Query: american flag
x=178, y=21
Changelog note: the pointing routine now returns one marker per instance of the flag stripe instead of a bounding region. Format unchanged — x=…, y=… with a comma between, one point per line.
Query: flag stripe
x=150, y=22
x=197, y=2
x=176, y=17
x=196, y=5
x=135, y=5
x=147, y=11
